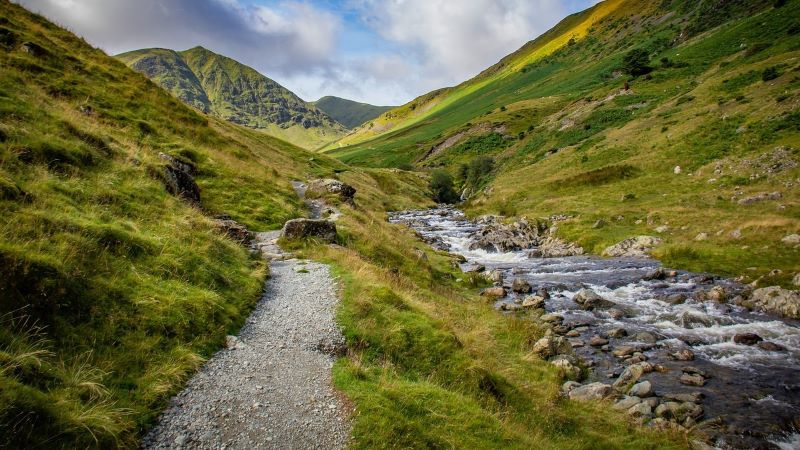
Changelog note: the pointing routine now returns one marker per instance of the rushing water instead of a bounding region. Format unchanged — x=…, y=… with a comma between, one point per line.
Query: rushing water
x=754, y=392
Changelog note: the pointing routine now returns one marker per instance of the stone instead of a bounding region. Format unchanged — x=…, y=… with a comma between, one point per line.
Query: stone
x=656, y=274
x=542, y=292
x=791, y=239
x=568, y=370
x=510, y=307
x=640, y=410
x=692, y=380
x=747, y=338
x=695, y=371
x=775, y=300
x=569, y=385
x=233, y=342
x=553, y=247
x=550, y=346
x=624, y=350
x=763, y=196
x=495, y=276
x=593, y=391
x=771, y=346
x=500, y=237
x=626, y=403
x=662, y=229
x=323, y=186
x=575, y=343
x=630, y=376
x=178, y=178
x=234, y=230
x=646, y=337
x=495, y=292
x=642, y=389
x=533, y=301
x=676, y=299
x=616, y=313
x=638, y=247
x=617, y=333
x=309, y=228
x=520, y=286
x=701, y=237
x=600, y=223
x=552, y=318
x=589, y=300
x=693, y=397
x=682, y=355
x=597, y=341
x=677, y=170
x=667, y=410
x=796, y=279
x=717, y=294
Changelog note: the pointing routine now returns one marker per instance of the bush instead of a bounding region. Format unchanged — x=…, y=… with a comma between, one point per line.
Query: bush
x=441, y=187
x=636, y=62
x=770, y=73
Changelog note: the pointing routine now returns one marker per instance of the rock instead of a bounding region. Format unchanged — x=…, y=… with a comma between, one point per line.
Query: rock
x=677, y=170
x=642, y=389
x=553, y=247
x=496, y=292
x=662, y=229
x=747, y=338
x=510, y=307
x=233, y=342
x=542, y=292
x=737, y=233
x=792, y=239
x=631, y=375
x=668, y=410
x=775, y=300
x=771, y=346
x=694, y=397
x=692, y=380
x=552, y=318
x=593, y=391
x=233, y=230
x=499, y=237
x=599, y=224
x=520, y=286
x=701, y=237
x=309, y=228
x=717, y=294
x=676, y=299
x=550, y=346
x=475, y=268
x=656, y=274
x=616, y=313
x=569, y=386
x=323, y=186
x=575, y=343
x=533, y=301
x=617, y=333
x=796, y=279
x=640, y=410
x=626, y=403
x=694, y=371
x=178, y=178
x=638, y=246
x=682, y=355
x=646, y=337
x=763, y=196
x=623, y=350
x=589, y=300
x=568, y=370
x=597, y=341
x=495, y=276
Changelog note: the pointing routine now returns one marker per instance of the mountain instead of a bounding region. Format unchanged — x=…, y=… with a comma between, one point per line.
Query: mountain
x=218, y=85
x=667, y=118
x=347, y=112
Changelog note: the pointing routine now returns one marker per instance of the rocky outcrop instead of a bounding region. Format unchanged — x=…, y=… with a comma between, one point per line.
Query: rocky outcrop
x=637, y=247
x=309, y=228
x=500, y=237
x=553, y=247
x=178, y=177
x=760, y=198
x=775, y=300
x=331, y=186
x=233, y=229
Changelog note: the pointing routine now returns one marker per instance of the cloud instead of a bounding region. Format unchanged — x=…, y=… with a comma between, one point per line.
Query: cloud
x=285, y=39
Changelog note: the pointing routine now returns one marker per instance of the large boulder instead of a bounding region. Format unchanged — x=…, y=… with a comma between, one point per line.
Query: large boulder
x=553, y=247
x=589, y=300
x=637, y=247
x=500, y=237
x=328, y=185
x=592, y=391
x=233, y=229
x=309, y=228
x=178, y=177
x=775, y=300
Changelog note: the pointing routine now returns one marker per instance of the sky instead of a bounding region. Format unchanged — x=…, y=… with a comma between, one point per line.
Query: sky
x=383, y=52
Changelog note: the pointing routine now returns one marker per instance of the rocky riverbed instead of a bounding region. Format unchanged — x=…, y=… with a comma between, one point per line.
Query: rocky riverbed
x=671, y=348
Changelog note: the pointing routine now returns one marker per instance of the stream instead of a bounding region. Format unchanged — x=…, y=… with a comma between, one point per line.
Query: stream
x=751, y=397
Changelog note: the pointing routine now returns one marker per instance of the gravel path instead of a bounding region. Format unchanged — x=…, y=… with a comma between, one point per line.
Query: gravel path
x=271, y=388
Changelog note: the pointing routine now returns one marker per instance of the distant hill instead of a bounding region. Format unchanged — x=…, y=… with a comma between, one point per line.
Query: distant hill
x=349, y=113
x=225, y=88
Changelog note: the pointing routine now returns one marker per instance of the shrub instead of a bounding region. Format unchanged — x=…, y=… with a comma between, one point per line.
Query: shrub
x=770, y=73
x=636, y=62
x=441, y=187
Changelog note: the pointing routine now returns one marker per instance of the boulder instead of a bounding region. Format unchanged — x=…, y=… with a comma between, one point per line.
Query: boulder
x=533, y=301
x=771, y=346
x=717, y=294
x=626, y=403
x=692, y=380
x=617, y=333
x=763, y=196
x=682, y=355
x=328, y=185
x=792, y=239
x=569, y=385
x=593, y=391
x=495, y=292
x=521, y=286
x=641, y=390
x=499, y=237
x=234, y=230
x=638, y=246
x=747, y=338
x=569, y=370
x=309, y=228
x=553, y=247
x=631, y=375
x=775, y=300
x=641, y=410
x=598, y=341
x=646, y=337
x=550, y=346
x=542, y=292
x=495, y=276
x=178, y=178
x=552, y=318
x=589, y=300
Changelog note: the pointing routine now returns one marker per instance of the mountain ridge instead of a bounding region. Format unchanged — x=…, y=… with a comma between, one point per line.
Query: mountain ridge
x=218, y=85
x=349, y=113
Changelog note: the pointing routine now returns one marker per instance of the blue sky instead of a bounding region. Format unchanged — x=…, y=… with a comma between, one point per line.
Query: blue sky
x=378, y=51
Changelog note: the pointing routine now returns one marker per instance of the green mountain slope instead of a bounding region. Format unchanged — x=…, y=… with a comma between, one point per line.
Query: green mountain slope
x=551, y=129
x=347, y=112
x=232, y=91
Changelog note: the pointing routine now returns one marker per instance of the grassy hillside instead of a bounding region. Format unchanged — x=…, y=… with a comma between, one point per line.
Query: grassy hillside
x=347, y=112
x=551, y=129
x=232, y=91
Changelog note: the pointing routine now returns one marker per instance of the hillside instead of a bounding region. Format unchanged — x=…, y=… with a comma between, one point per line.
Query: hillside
x=220, y=86
x=676, y=119
x=347, y=112
x=114, y=291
